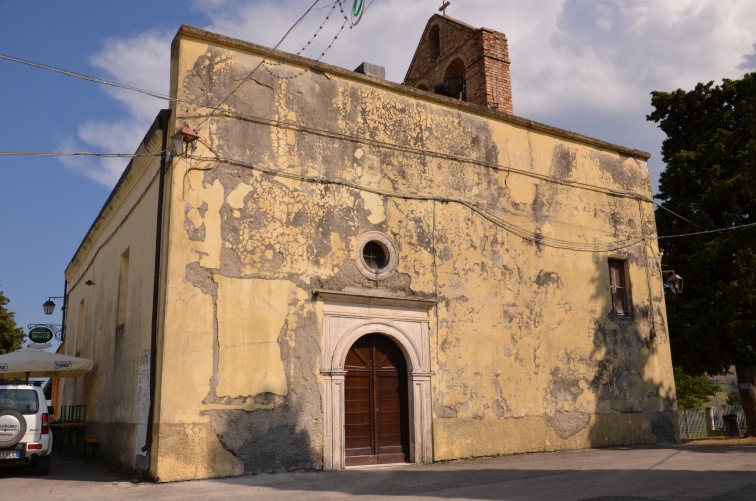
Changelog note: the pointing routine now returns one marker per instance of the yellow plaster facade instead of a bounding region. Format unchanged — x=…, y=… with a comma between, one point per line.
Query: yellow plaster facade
x=112, y=271
x=501, y=231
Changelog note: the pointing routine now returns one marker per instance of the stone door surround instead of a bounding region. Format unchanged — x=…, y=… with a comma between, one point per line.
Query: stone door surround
x=346, y=318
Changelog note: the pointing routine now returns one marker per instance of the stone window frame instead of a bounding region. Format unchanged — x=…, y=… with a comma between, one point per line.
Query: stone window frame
x=388, y=246
x=619, y=287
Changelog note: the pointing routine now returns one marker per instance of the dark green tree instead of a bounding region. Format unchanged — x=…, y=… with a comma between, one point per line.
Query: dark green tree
x=709, y=186
x=692, y=391
x=11, y=335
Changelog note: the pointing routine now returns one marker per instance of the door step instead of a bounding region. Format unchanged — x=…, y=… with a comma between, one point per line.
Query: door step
x=378, y=466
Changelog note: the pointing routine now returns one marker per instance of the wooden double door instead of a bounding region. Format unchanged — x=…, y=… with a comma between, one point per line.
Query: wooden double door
x=376, y=417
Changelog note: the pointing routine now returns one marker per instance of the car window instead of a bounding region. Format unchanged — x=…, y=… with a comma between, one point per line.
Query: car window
x=23, y=401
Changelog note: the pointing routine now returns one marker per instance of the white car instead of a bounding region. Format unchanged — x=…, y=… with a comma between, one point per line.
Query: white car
x=25, y=435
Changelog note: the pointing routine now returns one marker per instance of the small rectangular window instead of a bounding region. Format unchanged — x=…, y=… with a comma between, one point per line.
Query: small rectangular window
x=618, y=287
x=80, y=329
x=123, y=290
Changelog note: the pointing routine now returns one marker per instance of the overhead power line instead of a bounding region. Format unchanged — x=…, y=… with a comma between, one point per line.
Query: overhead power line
x=296, y=23
x=76, y=154
x=531, y=236
x=418, y=151
x=291, y=125
x=738, y=227
x=86, y=77
x=281, y=123
x=150, y=93
x=214, y=108
x=677, y=215
x=322, y=54
x=704, y=232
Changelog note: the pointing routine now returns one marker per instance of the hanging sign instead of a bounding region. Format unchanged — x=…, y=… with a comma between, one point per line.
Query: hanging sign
x=358, y=9
x=41, y=334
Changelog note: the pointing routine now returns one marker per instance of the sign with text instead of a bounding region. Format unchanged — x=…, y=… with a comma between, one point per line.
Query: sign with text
x=41, y=334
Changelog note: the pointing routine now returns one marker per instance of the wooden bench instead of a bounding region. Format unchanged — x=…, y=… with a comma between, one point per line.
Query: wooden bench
x=91, y=443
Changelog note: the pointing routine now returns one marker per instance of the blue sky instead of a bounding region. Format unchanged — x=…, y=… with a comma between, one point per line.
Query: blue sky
x=582, y=65
x=47, y=205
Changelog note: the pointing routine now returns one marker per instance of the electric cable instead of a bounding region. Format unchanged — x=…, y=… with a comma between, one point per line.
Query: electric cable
x=718, y=230
x=418, y=151
x=326, y=6
x=243, y=116
x=77, y=154
x=312, y=38
x=533, y=237
x=478, y=208
x=87, y=77
x=152, y=93
x=216, y=107
x=677, y=215
x=267, y=66
x=475, y=207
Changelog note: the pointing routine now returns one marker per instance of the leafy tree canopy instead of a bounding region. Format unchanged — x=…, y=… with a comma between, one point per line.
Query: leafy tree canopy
x=708, y=187
x=692, y=391
x=709, y=184
x=11, y=336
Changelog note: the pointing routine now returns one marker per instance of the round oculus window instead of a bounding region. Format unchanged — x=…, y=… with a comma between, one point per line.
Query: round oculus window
x=376, y=256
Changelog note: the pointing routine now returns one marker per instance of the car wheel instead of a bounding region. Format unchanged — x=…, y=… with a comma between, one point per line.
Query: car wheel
x=12, y=428
x=42, y=465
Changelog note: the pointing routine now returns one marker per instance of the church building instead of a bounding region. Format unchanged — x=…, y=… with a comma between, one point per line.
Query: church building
x=329, y=270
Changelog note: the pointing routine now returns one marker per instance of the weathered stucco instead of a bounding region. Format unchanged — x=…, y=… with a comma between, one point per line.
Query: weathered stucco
x=525, y=352
x=503, y=225
x=125, y=226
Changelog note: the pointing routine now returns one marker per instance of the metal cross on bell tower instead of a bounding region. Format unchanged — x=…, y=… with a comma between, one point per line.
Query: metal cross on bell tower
x=444, y=5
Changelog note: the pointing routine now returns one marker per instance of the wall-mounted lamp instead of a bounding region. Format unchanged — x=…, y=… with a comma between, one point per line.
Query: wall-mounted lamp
x=49, y=305
x=673, y=282
x=182, y=138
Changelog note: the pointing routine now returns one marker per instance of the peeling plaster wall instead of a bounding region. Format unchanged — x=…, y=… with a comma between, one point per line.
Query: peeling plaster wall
x=525, y=351
x=110, y=390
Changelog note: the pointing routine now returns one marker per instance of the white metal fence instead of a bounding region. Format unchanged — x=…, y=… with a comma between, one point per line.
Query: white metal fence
x=693, y=421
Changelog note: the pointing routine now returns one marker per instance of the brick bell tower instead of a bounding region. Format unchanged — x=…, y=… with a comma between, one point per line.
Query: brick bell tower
x=457, y=60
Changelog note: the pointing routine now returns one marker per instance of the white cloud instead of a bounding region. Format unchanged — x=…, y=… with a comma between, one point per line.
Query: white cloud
x=611, y=54
x=142, y=61
x=584, y=65
x=104, y=171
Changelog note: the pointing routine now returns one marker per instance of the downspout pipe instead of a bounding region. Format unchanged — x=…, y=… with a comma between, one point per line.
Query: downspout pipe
x=65, y=310
x=164, y=120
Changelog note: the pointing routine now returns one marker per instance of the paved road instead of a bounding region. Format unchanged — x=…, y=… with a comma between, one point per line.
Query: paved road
x=622, y=474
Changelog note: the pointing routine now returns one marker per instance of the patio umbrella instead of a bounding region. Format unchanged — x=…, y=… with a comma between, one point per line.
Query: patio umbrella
x=33, y=362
